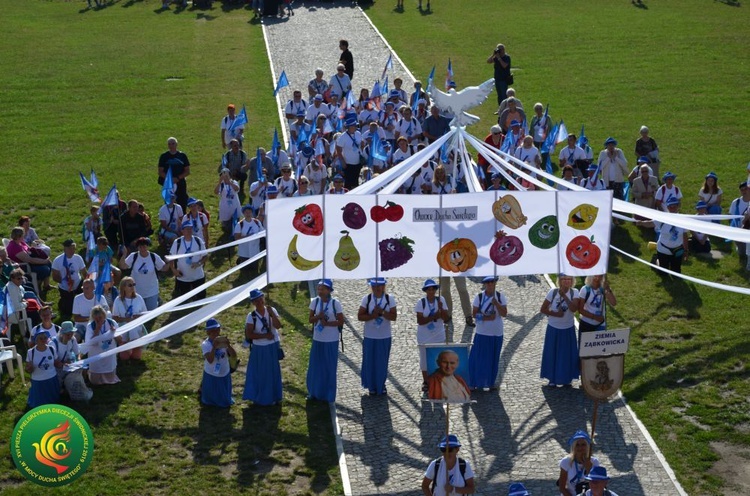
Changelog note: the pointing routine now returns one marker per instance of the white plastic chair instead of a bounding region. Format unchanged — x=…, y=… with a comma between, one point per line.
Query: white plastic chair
x=7, y=355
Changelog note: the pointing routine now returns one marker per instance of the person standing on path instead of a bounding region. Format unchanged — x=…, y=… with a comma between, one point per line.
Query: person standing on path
x=432, y=312
x=346, y=58
x=501, y=60
x=377, y=311
x=326, y=316
x=448, y=474
x=591, y=303
x=575, y=466
x=489, y=308
x=560, y=353
x=263, y=379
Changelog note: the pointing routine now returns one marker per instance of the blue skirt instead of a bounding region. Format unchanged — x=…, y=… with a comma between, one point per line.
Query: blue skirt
x=321, y=370
x=484, y=361
x=217, y=391
x=44, y=392
x=263, y=379
x=560, y=355
x=375, y=355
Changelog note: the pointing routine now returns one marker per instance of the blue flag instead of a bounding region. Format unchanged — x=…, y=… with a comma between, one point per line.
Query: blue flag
x=480, y=172
x=582, y=136
x=111, y=200
x=375, y=90
x=384, y=88
x=303, y=135
x=5, y=310
x=275, y=147
x=103, y=274
x=94, y=179
x=320, y=148
x=259, y=165
x=448, y=75
x=549, y=143
x=508, y=143
x=282, y=83
x=415, y=97
x=562, y=133
x=168, y=187
x=90, y=189
x=430, y=78
x=525, y=127
x=444, y=153
x=388, y=65
x=351, y=102
x=239, y=121
x=626, y=191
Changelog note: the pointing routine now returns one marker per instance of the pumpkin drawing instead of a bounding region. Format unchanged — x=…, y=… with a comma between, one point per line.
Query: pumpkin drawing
x=458, y=255
x=545, y=233
x=582, y=253
x=507, y=211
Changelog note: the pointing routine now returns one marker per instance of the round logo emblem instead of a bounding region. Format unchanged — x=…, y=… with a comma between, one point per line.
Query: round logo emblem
x=52, y=445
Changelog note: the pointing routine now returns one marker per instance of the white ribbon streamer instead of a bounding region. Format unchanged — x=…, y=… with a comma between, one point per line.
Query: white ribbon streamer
x=205, y=251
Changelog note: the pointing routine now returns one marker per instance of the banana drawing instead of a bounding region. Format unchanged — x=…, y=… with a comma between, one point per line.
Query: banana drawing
x=297, y=260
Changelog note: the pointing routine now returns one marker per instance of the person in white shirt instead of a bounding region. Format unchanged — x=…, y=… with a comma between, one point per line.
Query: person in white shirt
x=100, y=337
x=258, y=191
x=432, y=312
x=338, y=186
x=82, y=305
x=700, y=242
x=340, y=83
x=40, y=363
x=377, y=310
x=285, y=183
x=129, y=305
x=672, y=245
x=667, y=191
x=66, y=271
x=170, y=219
x=388, y=120
x=488, y=308
x=326, y=317
x=598, y=480
x=348, y=149
x=571, y=155
x=318, y=85
x=228, y=134
x=613, y=167
x=145, y=265
x=560, y=353
x=188, y=271
x=409, y=128
x=216, y=386
x=293, y=106
x=316, y=174
x=196, y=219
x=246, y=227
x=402, y=150
x=448, y=474
x=229, y=201
x=317, y=108
x=741, y=206
x=529, y=153
x=591, y=182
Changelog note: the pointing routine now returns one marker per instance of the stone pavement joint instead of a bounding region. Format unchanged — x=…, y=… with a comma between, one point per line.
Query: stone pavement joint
x=518, y=433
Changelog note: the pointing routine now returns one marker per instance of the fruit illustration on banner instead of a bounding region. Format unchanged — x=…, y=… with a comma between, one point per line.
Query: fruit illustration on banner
x=347, y=256
x=506, y=250
x=391, y=211
x=545, y=233
x=299, y=262
x=582, y=253
x=395, y=252
x=583, y=216
x=308, y=219
x=458, y=255
x=507, y=211
x=354, y=216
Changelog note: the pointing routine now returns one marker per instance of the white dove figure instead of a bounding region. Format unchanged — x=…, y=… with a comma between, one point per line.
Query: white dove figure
x=456, y=102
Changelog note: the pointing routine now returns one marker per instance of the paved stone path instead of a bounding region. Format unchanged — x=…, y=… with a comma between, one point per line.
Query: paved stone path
x=518, y=433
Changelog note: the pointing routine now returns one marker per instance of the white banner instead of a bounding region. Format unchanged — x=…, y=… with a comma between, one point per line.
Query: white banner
x=471, y=234
x=601, y=343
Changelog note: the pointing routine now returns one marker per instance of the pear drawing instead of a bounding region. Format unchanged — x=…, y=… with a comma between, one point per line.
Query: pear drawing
x=347, y=256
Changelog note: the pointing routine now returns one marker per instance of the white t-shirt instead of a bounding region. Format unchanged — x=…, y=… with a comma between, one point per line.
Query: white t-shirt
x=101, y=343
x=82, y=307
x=387, y=120
x=400, y=155
x=409, y=129
x=453, y=475
x=529, y=155
x=220, y=367
x=593, y=302
x=293, y=107
x=367, y=116
x=663, y=194
x=40, y=327
x=198, y=223
x=286, y=187
x=486, y=307
x=257, y=319
x=317, y=177
x=709, y=197
x=229, y=202
x=379, y=328
x=540, y=129
x=313, y=112
x=326, y=334
x=575, y=471
x=349, y=145
x=670, y=237
x=432, y=332
x=69, y=267
x=258, y=194
x=170, y=215
x=144, y=272
x=129, y=307
x=557, y=304
x=340, y=85
x=591, y=185
x=571, y=155
x=63, y=350
x=236, y=133
x=44, y=363
x=442, y=189
x=179, y=247
x=247, y=228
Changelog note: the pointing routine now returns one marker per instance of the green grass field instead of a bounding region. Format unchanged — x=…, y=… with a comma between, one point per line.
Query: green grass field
x=84, y=89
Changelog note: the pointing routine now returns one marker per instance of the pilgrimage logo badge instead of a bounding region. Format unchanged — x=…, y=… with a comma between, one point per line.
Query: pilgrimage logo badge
x=52, y=445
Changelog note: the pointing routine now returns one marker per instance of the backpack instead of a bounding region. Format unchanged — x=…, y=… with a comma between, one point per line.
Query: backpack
x=387, y=300
x=51, y=350
x=461, y=468
x=179, y=242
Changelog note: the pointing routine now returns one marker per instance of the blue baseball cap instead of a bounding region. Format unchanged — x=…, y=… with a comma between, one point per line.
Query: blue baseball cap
x=514, y=123
x=643, y=160
x=591, y=168
x=338, y=177
x=301, y=113
x=497, y=175
x=351, y=122
x=255, y=294
x=451, y=442
x=390, y=103
x=327, y=283
x=394, y=94
x=212, y=324
x=319, y=97
x=247, y=207
x=192, y=201
x=518, y=489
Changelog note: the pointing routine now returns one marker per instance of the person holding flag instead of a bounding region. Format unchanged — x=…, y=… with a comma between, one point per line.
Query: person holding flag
x=67, y=270
x=170, y=220
x=229, y=202
x=178, y=163
x=593, y=182
x=232, y=127
x=572, y=155
x=348, y=148
x=541, y=125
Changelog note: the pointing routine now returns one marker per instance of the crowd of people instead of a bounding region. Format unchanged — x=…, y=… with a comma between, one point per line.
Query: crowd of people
x=338, y=142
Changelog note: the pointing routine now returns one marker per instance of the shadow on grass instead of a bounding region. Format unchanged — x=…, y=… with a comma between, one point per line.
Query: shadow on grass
x=214, y=435
x=130, y=3
x=320, y=447
x=107, y=399
x=639, y=4
x=730, y=3
x=228, y=6
x=260, y=431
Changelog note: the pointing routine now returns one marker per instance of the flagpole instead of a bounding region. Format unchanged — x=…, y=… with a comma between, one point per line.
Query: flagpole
x=119, y=223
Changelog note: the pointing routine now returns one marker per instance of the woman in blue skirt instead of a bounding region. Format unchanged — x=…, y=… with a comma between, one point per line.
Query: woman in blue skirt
x=216, y=389
x=326, y=316
x=560, y=353
x=263, y=380
x=489, y=308
x=40, y=363
x=377, y=311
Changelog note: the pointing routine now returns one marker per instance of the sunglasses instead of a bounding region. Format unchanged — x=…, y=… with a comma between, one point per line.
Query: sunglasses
x=304, y=182
x=130, y=285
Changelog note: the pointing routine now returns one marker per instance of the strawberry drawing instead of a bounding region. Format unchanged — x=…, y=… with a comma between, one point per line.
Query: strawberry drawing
x=395, y=252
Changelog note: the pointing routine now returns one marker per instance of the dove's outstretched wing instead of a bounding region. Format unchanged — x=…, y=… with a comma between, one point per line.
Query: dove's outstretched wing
x=473, y=95
x=457, y=103
x=445, y=101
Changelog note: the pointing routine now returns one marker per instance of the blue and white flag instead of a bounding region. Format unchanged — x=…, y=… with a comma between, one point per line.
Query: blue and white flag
x=388, y=65
x=384, y=88
x=508, y=143
x=449, y=75
x=168, y=187
x=375, y=93
x=239, y=121
x=259, y=165
x=90, y=189
x=111, y=200
x=281, y=83
x=562, y=133
x=430, y=78
x=275, y=147
x=415, y=98
x=6, y=308
x=103, y=273
x=351, y=102
x=327, y=128
x=582, y=137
